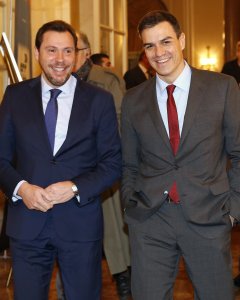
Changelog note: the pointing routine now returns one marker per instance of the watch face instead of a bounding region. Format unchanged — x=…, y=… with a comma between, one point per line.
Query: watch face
x=74, y=189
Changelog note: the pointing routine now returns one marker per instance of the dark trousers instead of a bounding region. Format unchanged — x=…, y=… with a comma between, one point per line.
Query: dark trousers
x=159, y=242
x=4, y=239
x=33, y=261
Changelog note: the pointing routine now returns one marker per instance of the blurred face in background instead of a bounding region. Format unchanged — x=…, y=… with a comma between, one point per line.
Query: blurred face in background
x=56, y=57
x=105, y=62
x=83, y=53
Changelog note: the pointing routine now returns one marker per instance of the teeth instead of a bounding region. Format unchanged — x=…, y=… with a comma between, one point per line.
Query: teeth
x=58, y=69
x=162, y=60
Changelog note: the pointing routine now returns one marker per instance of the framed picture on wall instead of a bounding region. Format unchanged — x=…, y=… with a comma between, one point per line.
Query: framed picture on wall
x=9, y=59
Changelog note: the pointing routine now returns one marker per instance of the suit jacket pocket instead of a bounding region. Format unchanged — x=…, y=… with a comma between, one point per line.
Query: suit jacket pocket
x=220, y=187
x=138, y=197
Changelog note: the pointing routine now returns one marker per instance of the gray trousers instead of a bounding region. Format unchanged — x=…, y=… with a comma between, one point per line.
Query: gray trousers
x=159, y=242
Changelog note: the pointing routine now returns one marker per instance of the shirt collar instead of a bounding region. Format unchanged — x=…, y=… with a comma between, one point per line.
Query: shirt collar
x=182, y=82
x=67, y=88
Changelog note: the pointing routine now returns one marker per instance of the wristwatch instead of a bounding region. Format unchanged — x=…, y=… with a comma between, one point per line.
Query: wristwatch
x=75, y=189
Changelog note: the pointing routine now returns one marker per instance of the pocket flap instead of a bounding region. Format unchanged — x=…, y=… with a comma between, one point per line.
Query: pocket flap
x=220, y=187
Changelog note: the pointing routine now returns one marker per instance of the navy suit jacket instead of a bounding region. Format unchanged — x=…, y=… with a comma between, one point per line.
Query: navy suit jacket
x=90, y=157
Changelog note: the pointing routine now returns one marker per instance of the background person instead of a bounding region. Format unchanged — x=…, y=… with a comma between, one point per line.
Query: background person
x=140, y=73
x=178, y=129
x=59, y=150
x=101, y=59
x=232, y=67
x=115, y=242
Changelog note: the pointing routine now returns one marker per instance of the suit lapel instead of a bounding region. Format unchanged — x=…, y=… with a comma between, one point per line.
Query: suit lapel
x=154, y=112
x=77, y=114
x=36, y=109
x=194, y=100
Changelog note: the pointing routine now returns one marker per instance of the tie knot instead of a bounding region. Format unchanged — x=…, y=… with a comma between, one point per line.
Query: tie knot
x=55, y=93
x=170, y=89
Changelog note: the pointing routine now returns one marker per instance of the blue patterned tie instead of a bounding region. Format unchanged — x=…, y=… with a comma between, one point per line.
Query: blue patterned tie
x=51, y=115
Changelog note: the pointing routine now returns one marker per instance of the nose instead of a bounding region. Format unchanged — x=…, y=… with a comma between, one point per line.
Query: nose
x=59, y=55
x=159, y=50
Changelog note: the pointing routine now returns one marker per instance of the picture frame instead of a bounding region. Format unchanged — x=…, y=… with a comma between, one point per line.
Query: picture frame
x=9, y=59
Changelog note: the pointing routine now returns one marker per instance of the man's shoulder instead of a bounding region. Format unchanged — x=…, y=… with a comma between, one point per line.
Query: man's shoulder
x=210, y=80
x=133, y=70
x=208, y=75
x=231, y=62
x=142, y=90
x=24, y=85
x=102, y=74
x=106, y=79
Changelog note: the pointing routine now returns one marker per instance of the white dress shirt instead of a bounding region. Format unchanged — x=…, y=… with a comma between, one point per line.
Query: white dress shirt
x=65, y=101
x=180, y=95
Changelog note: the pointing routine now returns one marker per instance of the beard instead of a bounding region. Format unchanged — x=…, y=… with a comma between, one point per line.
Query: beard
x=55, y=81
x=52, y=76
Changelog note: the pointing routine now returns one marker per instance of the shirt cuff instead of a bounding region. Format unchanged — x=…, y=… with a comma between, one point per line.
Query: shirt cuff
x=78, y=198
x=15, y=196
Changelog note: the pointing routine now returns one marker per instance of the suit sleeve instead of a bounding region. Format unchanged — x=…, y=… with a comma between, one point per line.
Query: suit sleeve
x=108, y=168
x=130, y=152
x=9, y=177
x=232, y=144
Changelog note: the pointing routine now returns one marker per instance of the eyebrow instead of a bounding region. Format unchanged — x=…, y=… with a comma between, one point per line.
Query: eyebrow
x=47, y=47
x=161, y=41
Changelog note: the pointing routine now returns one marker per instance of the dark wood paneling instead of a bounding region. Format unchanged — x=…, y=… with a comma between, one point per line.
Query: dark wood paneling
x=136, y=10
x=232, y=27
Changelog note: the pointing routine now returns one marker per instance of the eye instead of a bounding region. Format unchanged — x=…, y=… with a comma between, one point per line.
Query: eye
x=68, y=51
x=51, y=50
x=166, y=42
x=148, y=46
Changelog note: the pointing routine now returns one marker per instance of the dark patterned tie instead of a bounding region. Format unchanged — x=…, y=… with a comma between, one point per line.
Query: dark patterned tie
x=51, y=115
x=174, y=134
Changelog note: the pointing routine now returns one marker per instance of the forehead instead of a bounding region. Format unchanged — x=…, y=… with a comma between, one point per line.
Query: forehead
x=55, y=39
x=158, y=32
x=80, y=43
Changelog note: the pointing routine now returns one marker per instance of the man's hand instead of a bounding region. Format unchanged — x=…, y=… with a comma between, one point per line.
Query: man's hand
x=60, y=192
x=35, y=197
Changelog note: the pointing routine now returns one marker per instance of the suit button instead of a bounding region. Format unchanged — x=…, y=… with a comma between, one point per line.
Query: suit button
x=53, y=162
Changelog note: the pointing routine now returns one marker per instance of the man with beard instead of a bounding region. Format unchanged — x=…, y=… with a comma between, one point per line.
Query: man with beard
x=59, y=150
x=178, y=130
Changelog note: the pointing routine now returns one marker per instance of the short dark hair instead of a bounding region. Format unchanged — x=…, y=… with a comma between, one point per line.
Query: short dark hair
x=97, y=58
x=157, y=16
x=56, y=25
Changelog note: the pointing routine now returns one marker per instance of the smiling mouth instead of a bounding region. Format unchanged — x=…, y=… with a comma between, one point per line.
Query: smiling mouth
x=58, y=69
x=162, y=60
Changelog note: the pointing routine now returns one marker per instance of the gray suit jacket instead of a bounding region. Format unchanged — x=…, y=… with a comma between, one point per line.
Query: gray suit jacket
x=211, y=134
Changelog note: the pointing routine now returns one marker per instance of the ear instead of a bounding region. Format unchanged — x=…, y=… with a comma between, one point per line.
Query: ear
x=36, y=53
x=182, y=40
x=88, y=53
